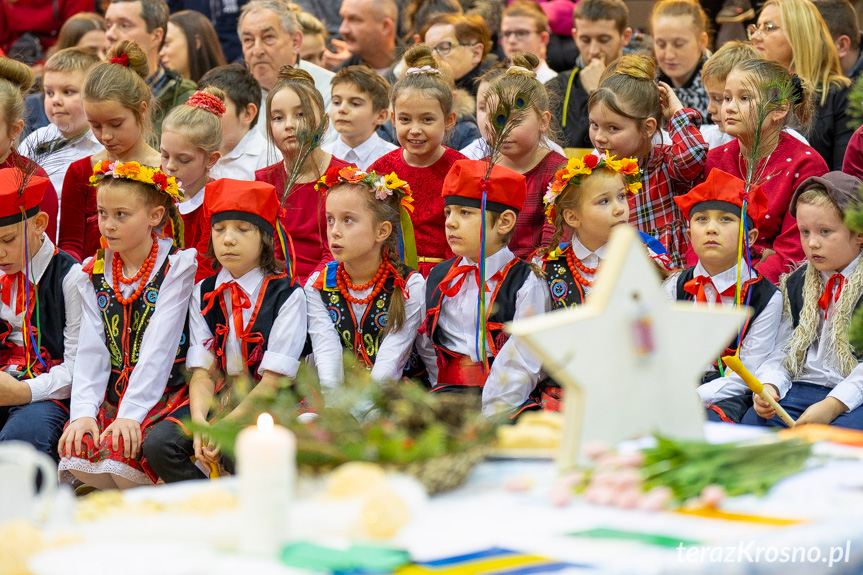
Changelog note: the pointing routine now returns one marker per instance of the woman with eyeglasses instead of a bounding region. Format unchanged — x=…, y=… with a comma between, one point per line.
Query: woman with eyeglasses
x=793, y=33
x=464, y=43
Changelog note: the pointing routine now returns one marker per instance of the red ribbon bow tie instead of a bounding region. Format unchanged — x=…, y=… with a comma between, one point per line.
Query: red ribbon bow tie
x=458, y=274
x=6, y=283
x=837, y=281
x=239, y=299
x=696, y=286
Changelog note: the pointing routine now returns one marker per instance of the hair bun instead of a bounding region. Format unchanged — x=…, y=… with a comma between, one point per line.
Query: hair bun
x=525, y=60
x=130, y=55
x=17, y=73
x=295, y=74
x=637, y=66
x=419, y=56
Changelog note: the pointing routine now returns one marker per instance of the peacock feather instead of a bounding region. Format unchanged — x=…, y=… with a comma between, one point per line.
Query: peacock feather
x=767, y=98
x=309, y=137
x=510, y=107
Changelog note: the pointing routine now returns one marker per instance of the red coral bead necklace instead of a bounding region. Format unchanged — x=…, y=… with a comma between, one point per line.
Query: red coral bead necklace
x=142, y=277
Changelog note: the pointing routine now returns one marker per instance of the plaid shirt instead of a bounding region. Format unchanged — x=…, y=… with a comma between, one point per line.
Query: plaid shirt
x=671, y=171
x=532, y=230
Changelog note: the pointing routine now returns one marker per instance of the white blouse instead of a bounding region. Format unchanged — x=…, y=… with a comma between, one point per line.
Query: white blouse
x=394, y=349
x=158, y=346
x=287, y=336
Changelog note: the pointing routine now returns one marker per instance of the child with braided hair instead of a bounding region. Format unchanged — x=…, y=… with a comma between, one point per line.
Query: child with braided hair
x=191, y=137
x=366, y=301
x=133, y=339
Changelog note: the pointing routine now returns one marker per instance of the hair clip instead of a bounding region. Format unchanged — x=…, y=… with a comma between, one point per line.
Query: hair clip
x=423, y=70
x=122, y=59
x=208, y=102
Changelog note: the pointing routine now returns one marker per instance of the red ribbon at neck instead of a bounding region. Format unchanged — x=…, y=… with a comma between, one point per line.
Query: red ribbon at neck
x=458, y=274
x=837, y=281
x=696, y=286
x=6, y=283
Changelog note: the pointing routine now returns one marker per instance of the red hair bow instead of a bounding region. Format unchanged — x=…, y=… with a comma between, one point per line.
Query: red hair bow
x=122, y=59
x=207, y=101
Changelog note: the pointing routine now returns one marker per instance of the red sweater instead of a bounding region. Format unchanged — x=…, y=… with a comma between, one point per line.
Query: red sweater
x=79, y=230
x=49, y=198
x=196, y=234
x=302, y=217
x=853, y=162
x=790, y=163
x=428, y=217
x=532, y=230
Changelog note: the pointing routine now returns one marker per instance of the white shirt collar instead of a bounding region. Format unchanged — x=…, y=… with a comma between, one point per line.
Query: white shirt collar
x=250, y=282
x=583, y=253
x=252, y=144
x=186, y=207
x=846, y=273
x=493, y=263
x=40, y=261
x=724, y=280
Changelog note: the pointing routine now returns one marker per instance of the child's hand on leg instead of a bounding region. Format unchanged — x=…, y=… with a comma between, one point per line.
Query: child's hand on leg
x=825, y=411
x=74, y=434
x=762, y=408
x=130, y=431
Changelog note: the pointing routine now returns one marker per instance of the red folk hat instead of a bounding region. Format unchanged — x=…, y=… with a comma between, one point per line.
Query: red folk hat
x=722, y=191
x=505, y=190
x=253, y=202
x=12, y=200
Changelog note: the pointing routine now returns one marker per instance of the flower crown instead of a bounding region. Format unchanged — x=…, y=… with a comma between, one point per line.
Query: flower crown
x=208, y=102
x=382, y=186
x=138, y=173
x=576, y=168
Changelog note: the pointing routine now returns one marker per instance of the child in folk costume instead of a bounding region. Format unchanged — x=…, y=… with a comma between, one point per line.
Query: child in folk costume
x=813, y=367
x=587, y=199
x=723, y=276
x=465, y=323
x=366, y=301
x=191, y=136
x=40, y=313
x=133, y=338
x=248, y=319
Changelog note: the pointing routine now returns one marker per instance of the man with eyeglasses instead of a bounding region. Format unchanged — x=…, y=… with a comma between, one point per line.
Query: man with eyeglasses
x=524, y=28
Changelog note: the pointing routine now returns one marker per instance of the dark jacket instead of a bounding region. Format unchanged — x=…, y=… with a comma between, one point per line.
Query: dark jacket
x=830, y=131
x=569, y=108
x=175, y=92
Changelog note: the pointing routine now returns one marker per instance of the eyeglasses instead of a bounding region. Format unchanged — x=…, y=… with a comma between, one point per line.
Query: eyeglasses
x=764, y=28
x=445, y=47
x=519, y=34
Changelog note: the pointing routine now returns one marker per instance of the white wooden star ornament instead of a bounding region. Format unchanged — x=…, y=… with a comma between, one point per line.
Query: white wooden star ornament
x=629, y=360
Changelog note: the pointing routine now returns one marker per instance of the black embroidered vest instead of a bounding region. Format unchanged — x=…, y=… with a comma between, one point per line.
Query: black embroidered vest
x=794, y=293
x=125, y=327
x=274, y=292
x=761, y=288
x=502, y=303
x=565, y=291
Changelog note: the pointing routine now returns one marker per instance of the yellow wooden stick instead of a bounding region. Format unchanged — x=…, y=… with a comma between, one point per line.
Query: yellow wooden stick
x=733, y=362
x=214, y=471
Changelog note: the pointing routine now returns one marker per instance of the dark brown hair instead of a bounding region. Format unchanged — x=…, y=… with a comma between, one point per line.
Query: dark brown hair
x=197, y=28
x=76, y=27
x=267, y=260
x=366, y=80
x=436, y=86
x=594, y=10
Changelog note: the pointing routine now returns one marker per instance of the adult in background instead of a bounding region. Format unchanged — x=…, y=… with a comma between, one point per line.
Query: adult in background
x=793, y=33
x=841, y=20
x=145, y=23
x=524, y=28
x=191, y=46
x=601, y=30
x=464, y=42
x=369, y=30
x=271, y=38
x=84, y=30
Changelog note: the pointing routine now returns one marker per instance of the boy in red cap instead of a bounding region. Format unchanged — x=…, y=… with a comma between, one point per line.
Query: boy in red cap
x=815, y=368
x=723, y=276
x=36, y=376
x=473, y=353
x=248, y=319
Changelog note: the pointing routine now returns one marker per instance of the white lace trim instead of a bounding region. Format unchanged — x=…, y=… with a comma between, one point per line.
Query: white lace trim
x=69, y=464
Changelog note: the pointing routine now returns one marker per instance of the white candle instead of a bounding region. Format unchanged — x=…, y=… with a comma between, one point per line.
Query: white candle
x=267, y=469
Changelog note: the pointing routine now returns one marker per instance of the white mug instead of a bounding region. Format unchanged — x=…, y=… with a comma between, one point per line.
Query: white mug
x=19, y=463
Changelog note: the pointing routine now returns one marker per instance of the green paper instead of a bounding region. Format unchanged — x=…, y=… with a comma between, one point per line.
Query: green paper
x=355, y=558
x=647, y=538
